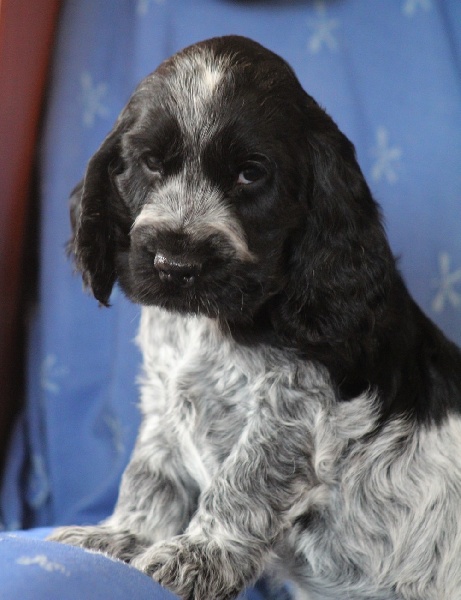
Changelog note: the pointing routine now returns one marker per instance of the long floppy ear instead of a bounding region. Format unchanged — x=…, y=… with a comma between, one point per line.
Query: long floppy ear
x=341, y=268
x=92, y=202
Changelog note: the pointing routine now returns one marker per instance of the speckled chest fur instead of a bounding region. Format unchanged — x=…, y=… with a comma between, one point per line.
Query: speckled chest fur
x=362, y=511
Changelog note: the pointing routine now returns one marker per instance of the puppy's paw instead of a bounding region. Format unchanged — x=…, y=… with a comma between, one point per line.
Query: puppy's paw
x=193, y=570
x=101, y=538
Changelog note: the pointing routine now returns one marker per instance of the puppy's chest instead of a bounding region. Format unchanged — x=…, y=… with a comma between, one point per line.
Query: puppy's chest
x=211, y=397
x=196, y=383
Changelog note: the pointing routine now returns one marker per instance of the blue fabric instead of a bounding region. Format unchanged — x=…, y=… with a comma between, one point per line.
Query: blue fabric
x=388, y=71
x=34, y=569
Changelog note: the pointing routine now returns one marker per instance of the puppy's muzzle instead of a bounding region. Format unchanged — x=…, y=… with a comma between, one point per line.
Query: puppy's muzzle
x=176, y=269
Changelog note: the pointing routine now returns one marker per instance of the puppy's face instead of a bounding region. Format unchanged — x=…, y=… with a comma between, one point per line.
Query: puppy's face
x=218, y=177
x=203, y=195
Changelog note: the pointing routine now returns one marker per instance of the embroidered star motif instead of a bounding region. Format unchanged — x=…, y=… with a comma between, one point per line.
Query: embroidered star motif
x=445, y=284
x=51, y=373
x=116, y=431
x=411, y=6
x=387, y=158
x=93, y=95
x=323, y=28
x=142, y=7
x=42, y=561
x=38, y=483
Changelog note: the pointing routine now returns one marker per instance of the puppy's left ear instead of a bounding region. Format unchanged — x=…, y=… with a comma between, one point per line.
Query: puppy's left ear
x=92, y=210
x=341, y=266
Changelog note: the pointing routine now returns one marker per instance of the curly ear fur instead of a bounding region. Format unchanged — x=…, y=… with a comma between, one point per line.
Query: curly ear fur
x=92, y=202
x=341, y=270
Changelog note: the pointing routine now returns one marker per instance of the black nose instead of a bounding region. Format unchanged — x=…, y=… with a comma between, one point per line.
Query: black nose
x=176, y=270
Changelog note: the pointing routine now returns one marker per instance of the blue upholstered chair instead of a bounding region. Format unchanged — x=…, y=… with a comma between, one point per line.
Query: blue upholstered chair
x=388, y=71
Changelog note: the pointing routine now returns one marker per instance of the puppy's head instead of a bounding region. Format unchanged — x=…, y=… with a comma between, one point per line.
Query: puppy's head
x=222, y=187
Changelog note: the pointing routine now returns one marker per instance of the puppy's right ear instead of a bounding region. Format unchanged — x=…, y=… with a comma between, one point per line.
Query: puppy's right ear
x=92, y=208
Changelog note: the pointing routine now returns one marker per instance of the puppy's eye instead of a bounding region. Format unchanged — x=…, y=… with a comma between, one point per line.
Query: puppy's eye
x=153, y=164
x=251, y=172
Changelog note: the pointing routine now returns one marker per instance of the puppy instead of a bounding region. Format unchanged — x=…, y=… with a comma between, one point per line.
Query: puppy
x=301, y=415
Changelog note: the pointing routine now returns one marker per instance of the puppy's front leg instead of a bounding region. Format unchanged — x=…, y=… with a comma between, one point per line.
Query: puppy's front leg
x=247, y=506
x=157, y=498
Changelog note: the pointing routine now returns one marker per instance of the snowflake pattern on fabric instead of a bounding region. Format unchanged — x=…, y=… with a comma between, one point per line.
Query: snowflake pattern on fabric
x=116, y=430
x=410, y=7
x=52, y=374
x=38, y=490
x=446, y=282
x=42, y=561
x=93, y=95
x=143, y=6
x=387, y=158
x=323, y=30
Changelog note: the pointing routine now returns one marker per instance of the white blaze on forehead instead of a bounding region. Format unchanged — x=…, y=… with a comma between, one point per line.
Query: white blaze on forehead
x=202, y=71
x=195, y=86
x=212, y=76
x=197, y=210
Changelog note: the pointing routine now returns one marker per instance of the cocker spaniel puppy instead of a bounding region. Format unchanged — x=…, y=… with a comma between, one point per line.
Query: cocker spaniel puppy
x=301, y=415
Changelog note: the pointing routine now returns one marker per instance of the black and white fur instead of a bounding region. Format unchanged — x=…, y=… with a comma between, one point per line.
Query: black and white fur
x=301, y=415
